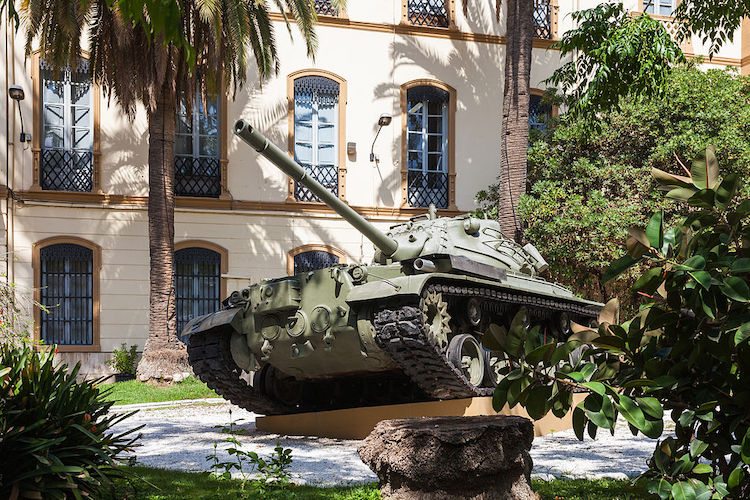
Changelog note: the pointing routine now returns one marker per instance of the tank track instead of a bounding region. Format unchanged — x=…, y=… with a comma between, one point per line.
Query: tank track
x=213, y=364
x=400, y=331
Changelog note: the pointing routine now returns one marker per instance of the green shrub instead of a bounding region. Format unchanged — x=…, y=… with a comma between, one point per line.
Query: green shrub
x=55, y=433
x=587, y=185
x=123, y=360
x=686, y=351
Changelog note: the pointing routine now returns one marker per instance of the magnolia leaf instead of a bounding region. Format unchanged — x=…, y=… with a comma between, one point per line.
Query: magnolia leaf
x=499, y=397
x=649, y=281
x=579, y=421
x=697, y=447
x=494, y=338
x=536, y=401
x=694, y=263
x=705, y=169
x=703, y=278
x=655, y=230
x=640, y=235
x=610, y=313
x=735, y=477
x=681, y=194
x=619, y=266
x=745, y=449
x=517, y=333
x=667, y=179
x=653, y=428
x=651, y=407
x=742, y=334
x=726, y=191
x=682, y=490
x=736, y=289
x=597, y=387
x=632, y=413
x=741, y=266
x=704, y=198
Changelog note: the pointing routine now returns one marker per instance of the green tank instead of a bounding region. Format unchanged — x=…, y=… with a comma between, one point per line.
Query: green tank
x=407, y=327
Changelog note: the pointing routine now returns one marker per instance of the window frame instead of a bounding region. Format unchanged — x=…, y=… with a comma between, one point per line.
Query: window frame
x=224, y=262
x=38, y=128
x=341, y=135
x=222, y=153
x=450, y=152
x=36, y=265
x=554, y=12
x=450, y=7
x=655, y=3
x=309, y=248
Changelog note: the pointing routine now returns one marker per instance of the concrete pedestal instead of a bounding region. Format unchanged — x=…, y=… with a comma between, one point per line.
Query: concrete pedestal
x=357, y=423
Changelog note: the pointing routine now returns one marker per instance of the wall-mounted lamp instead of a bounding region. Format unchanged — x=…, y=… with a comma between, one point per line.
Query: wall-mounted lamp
x=383, y=121
x=16, y=93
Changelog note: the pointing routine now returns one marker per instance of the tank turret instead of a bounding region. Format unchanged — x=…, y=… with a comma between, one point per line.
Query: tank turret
x=408, y=327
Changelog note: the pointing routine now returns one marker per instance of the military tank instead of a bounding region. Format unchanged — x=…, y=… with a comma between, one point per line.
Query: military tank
x=407, y=327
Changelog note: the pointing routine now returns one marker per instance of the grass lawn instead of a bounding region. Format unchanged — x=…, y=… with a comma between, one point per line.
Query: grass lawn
x=157, y=484
x=132, y=391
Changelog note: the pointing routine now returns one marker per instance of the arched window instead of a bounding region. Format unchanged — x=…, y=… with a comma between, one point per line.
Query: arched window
x=427, y=115
x=66, y=277
x=311, y=257
x=197, y=149
x=66, y=161
x=197, y=283
x=316, y=132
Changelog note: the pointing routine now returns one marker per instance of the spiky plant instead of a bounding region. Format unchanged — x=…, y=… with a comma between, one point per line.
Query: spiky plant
x=154, y=61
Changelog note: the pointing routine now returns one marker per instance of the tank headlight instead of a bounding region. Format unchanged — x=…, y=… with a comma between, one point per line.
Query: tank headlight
x=270, y=328
x=320, y=319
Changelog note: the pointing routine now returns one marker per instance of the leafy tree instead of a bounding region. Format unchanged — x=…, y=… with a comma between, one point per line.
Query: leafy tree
x=589, y=185
x=616, y=55
x=686, y=351
x=715, y=21
x=136, y=63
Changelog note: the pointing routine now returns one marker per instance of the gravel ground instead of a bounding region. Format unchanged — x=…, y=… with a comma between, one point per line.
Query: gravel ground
x=179, y=438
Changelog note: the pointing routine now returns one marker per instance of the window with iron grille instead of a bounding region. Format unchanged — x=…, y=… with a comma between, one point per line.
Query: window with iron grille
x=539, y=113
x=543, y=19
x=660, y=7
x=325, y=8
x=314, y=259
x=428, y=13
x=197, y=283
x=197, y=165
x=67, y=292
x=427, y=146
x=316, y=110
x=66, y=160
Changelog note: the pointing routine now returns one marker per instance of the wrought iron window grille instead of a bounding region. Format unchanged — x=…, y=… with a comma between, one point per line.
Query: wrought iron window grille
x=428, y=13
x=67, y=290
x=197, y=283
x=199, y=177
x=325, y=8
x=328, y=176
x=427, y=187
x=543, y=19
x=313, y=260
x=64, y=170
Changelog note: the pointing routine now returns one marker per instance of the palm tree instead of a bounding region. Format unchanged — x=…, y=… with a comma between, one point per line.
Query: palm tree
x=135, y=63
x=515, y=121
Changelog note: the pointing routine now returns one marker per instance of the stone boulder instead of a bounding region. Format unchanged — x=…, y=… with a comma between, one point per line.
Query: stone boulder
x=452, y=458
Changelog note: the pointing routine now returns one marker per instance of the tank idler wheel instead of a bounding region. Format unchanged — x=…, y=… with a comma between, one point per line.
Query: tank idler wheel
x=436, y=319
x=465, y=353
x=494, y=361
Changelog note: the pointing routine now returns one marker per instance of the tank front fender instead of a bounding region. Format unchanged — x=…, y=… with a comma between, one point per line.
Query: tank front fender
x=392, y=287
x=212, y=321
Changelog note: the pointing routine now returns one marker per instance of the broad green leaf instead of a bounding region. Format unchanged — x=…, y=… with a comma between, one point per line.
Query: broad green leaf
x=639, y=235
x=697, y=447
x=579, y=421
x=704, y=198
x=745, y=450
x=563, y=351
x=649, y=281
x=705, y=170
x=536, y=401
x=610, y=313
x=653, y=428
x=540, y=353
x=651, y=406
x=597, y=387
x=655, y=230
x=681, y=194
x=632, y=413
x=702, y=469
x=686, y=418
x=587, y=370
x=494, y=340
x=694, y=263
x=742, y=334
x=618, y=267
x=667, y=179
x=702, y=277
x=610, y=342
x=741, y=266
x=599, y=410
x=664, y=488
x=517, y=333
x=577, y=376
x=726, y=191
x=735, y=478
x=499, y=397
x=735, y=288
x=682, y=490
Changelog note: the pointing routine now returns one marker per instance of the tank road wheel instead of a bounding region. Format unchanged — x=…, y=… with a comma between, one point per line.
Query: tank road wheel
x=436, y=319
x=465, y=353
x=494, y=361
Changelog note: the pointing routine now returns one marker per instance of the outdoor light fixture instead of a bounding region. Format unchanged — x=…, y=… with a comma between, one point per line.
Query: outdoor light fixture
x=16, y=93
x=383, y=121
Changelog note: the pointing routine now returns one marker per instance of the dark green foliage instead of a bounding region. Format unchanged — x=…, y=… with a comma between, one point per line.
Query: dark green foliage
x=55, y=437
x=587, y=188
x=123, y=359
x=686, y=352
x=615, y=55
x=715, y=21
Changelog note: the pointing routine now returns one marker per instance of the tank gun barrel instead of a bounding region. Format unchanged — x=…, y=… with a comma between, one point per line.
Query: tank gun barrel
x=291, y=168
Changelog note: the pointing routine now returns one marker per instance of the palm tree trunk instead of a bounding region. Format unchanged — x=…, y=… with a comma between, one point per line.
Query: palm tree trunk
x=163, y=355
x=515, y=121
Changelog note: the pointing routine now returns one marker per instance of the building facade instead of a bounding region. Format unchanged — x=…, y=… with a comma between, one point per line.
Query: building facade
x=74, y=197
